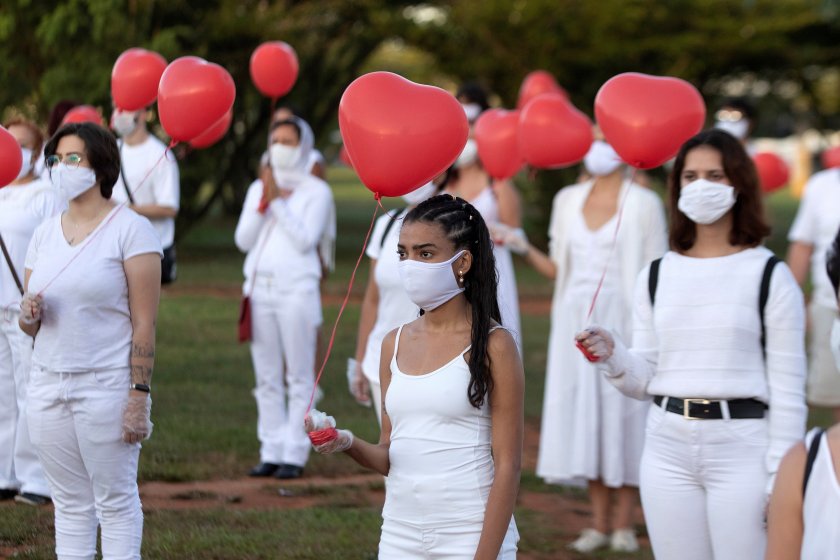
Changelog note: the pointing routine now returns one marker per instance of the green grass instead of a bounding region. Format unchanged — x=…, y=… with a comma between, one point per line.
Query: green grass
x=205, y=416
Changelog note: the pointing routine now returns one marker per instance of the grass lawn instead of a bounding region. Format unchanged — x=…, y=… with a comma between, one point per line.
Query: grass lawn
x=205, y=416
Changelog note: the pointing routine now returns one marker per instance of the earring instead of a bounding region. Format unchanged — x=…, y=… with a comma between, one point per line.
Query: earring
x=461, y=276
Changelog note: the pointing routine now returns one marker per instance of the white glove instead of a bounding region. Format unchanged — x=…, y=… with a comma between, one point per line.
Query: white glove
x=357, y=383
x=137, y=424
x=517, y=241
x=597, y=341
x=316, y=421
x=30, y=308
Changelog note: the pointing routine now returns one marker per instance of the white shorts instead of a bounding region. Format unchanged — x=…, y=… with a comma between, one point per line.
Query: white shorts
x=404, y=541
x=823, y=376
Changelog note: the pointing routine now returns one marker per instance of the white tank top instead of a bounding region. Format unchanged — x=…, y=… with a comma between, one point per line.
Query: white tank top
x=821, y=507
x=441, y=466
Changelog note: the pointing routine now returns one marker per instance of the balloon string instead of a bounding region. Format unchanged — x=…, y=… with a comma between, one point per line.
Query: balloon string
x=101, y=228
x=613, y=245
x=344, y=304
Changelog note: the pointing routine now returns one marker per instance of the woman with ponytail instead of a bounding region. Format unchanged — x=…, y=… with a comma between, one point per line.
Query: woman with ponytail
x=453, y=397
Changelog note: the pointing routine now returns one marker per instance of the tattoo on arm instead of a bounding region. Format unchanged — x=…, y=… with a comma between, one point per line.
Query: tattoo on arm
x=141, y=374
x=142, y=350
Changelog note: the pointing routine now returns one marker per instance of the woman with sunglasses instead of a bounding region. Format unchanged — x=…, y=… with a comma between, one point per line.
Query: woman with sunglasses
x=93, y=285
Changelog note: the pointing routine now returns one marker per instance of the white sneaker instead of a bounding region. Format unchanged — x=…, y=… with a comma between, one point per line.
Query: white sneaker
x=624, y=540
x=589, y=541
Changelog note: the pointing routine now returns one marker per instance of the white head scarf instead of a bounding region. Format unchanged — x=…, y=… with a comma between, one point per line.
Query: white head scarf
x=299, y=169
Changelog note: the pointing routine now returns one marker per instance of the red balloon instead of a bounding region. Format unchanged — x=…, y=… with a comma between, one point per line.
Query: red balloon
x=193, y=96
x=831, y=157
x=345, y=157
x=11, y=158
x=274, y=68
x=83, y=113
x=553, y=133
x=498, y=145
x=214, y=133
x=537, y=83
x=399, y=134
x=772, y=171
x=647, y=118
x=135, y=79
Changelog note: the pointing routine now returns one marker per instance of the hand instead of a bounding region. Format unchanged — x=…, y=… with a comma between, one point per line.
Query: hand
x=597, y=341
x=137, y=423
x=517, y=241
x=358, y=383
x=270, y=190
x=30, y=308
x=317, y=421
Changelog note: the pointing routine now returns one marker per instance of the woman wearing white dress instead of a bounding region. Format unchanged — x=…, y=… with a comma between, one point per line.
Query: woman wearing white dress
x=453, y=398
x=590, y=432
x=718, y=341
x=24, y=205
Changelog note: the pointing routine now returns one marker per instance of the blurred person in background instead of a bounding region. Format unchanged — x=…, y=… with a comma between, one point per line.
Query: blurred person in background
x=738, y=117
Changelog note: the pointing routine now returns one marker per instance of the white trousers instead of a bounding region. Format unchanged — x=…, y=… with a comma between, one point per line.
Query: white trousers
x=19, y=465
x=703, y=487
x=284, y=337
x=75, y=420
x=403, y=541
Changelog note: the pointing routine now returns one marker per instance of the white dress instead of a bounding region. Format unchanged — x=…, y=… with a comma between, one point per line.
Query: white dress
x=488, y=206
x=589, y=429
x=821, y=506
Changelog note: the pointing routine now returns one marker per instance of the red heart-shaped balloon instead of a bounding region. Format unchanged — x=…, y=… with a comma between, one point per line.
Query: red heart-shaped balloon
x=11, y=157
x=496, y=133
x=135, y=78
x=399, y=134
x=647, y=118
x=214, y=133
x=772, y=171
x=274, y=68
x=831, y=157
x=537, y=83
x=193, y=96
x=83, y=113
x=553, y=133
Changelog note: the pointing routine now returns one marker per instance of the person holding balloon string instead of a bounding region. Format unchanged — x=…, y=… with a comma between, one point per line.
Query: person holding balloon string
x=92, y=292
x=718, y=342
x=25, y=203
x=282, y=275
x=452, y=387
x=590, y=431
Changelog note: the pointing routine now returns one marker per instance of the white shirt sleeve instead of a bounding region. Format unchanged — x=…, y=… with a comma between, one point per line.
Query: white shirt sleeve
x=140, y=238
x=656, y=236
x=784, y=319
x=374, y=248
x=250, y=220
x=630, y=370
x=34, y=245
x=305, y=228
x=804, y=228
x=167, y=183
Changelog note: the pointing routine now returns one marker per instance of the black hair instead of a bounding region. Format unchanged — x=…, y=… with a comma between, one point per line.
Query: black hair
x=465, y=228
x=474, y=93
x=288, y=122
x=100, y=149
x=741, y=104
x=832, y=262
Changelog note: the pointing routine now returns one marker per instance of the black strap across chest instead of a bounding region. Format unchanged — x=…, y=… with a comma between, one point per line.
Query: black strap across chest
x=11, y=266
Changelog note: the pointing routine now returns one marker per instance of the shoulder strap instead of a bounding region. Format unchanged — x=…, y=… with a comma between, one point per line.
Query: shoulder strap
x=11, y=266
x=764, y=294
x=653, y=279
x=125, y=181
x=394, y=215
x=812, y=456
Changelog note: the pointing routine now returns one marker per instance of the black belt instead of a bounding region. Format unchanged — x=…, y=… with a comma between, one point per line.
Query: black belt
x=705, y=409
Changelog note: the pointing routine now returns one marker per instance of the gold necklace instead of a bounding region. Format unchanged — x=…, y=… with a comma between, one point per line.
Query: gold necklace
x=86, y=223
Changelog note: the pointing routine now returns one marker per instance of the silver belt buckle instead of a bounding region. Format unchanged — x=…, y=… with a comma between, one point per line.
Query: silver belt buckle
x=686, y=402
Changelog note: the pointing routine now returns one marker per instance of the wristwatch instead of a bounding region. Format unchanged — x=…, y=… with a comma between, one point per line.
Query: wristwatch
x=140, y=387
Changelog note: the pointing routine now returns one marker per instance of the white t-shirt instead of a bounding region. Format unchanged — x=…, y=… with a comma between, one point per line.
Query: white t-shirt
x=22, y=209
x=816, y=224
x=394, y=308
x=152, y=180
x=86, y=323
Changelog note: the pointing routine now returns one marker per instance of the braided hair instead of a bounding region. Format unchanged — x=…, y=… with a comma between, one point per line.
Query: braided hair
x=465, y=228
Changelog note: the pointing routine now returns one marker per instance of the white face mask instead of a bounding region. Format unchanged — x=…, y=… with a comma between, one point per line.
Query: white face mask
x=25, y=164
x=738, y=129
x=283, y=157
x=472, y=110
x=124, y=123
x=705, y=202
x=469, y=154
x=835, y=341
x=420, y=194
x=430, y=285
x=601, y=159
x=72, y=182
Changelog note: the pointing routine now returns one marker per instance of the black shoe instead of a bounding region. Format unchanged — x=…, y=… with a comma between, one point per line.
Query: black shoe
x=7, y=494
x=264, y=469
x=289, y=471
x=32, y=499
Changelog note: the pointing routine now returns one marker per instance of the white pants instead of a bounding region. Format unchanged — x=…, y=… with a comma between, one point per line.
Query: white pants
x=75, y=420
x=19, y=465
x=823, y=377
x=404, y=541
x=284, y=337
x=703, y=487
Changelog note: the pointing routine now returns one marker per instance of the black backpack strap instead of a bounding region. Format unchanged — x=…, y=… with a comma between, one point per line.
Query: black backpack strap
x=812, y=456
x=764, y=294
x=11, y=265
x=653, y=279
x=125, y=181
x=394, y=215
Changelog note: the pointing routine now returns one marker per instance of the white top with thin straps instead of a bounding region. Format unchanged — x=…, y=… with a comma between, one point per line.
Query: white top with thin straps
x=821, y=506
